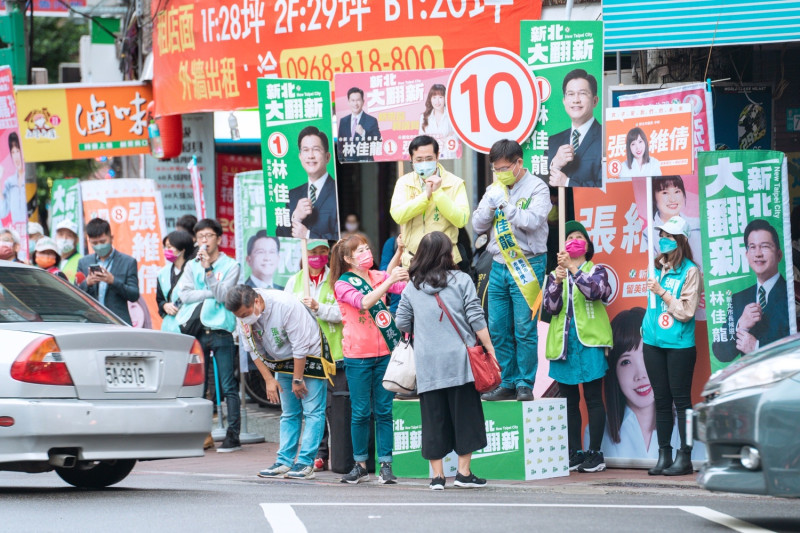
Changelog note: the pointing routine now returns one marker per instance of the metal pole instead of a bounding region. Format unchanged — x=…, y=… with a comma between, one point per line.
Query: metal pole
x=619, y=68
x=220, y=432
x=569, y=9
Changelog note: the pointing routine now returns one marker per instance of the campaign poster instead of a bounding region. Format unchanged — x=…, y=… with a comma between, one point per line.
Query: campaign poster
x=567, y=58
x=209, y=54
x=65, y=204
x=228, y=165
x=267, y=261
x=654, y=140
x=299, y=169
x=748, y=278
x=378, y=114
x=13, y=198
x=134, y=210
x=173, y=176
x=743, y=116
x=614, y=218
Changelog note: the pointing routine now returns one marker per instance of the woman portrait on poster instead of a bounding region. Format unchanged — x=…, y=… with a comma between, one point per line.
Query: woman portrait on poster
x=639, y=163
x=435, y=122
x=669, y=200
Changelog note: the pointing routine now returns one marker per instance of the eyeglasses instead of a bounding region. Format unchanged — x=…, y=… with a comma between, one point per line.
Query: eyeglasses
x=205, y=236
x=428, y=159
x=504, y=169
x=581, y=94
x=316, y=150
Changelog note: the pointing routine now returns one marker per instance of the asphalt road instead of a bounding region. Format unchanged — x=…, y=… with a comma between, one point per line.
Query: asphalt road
x=220, y=492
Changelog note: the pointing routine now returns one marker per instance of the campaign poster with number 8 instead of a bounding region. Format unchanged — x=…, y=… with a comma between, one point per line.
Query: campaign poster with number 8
x=492, y=95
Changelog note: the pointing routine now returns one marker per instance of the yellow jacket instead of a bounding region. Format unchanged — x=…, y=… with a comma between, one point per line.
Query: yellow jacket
x=446, y=210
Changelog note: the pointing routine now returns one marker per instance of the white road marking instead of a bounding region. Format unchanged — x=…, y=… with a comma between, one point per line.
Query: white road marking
x=282, y=518
x=723, y=519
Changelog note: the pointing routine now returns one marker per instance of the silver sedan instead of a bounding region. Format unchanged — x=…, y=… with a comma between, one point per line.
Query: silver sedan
x=84, y=394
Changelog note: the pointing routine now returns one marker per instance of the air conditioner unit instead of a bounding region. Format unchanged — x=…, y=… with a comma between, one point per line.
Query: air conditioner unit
x=69, y=73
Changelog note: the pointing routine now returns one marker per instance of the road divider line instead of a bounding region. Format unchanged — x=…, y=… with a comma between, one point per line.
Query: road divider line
x=282, y=518
x=724, y=520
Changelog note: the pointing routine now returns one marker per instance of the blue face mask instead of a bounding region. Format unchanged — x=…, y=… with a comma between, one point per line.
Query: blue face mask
x=425, y=168
x=667, y=245
x=102, y=250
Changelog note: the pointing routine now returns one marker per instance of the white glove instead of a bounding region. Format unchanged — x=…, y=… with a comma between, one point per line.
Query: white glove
x=495, y=196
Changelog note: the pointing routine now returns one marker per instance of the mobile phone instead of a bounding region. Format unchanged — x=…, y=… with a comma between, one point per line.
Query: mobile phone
x=95, y=268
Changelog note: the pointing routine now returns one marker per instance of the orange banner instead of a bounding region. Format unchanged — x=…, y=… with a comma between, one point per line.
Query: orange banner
x=80, y=122
x=208, y=54
x=648, y=141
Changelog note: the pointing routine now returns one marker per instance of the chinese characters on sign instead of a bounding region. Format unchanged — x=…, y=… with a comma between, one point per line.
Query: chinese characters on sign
x=228, y=166
x=65, y=204
x=13, y=195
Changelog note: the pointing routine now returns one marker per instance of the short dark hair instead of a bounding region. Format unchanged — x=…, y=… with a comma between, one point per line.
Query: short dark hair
x=260, y=234
x=506, y=149
x=97, y=227
x=579, y=74
x=13, y=140
x=182, y=240
x=240, y=296
x=208, y=223
x=186, y=223
x=313, y=130
x=422, y=140
x=433, y=262
x=760, y=224
x=662, y=182
x=354, y=90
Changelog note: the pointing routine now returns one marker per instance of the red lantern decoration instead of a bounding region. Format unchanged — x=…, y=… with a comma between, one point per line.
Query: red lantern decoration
x=166, y=134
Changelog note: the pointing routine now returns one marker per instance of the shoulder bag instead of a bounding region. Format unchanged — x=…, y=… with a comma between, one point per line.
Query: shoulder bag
x=401, y=373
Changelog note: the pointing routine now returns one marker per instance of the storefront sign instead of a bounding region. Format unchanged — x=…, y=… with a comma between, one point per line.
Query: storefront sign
x=745, y=197
x=65, y=122
x=208, y=55
x=743, y=116
x=50, y=8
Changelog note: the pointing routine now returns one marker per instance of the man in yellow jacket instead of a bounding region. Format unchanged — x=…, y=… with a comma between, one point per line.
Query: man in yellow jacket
x=428, y=199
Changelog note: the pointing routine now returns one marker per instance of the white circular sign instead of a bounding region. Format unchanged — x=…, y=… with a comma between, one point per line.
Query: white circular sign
x=492, y=95
x=278, y=144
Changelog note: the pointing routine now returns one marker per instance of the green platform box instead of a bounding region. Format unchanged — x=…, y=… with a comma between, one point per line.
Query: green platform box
x=526, y=440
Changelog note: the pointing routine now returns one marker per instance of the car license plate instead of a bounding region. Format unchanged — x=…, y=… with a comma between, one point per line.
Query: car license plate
x=126, y=373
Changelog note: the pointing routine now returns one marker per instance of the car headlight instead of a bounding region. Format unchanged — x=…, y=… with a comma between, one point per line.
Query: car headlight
x=762, y=373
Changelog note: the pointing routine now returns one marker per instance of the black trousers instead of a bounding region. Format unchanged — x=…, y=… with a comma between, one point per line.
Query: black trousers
x=593, y=394
x=339, y=385
x=670, y=371
x=452, y=419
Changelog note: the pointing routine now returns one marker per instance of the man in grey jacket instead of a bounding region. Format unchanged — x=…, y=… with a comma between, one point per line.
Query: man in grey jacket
x=516, y=204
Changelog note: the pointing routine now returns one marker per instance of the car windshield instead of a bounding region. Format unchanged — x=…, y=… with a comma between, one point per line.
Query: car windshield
x=34, y=295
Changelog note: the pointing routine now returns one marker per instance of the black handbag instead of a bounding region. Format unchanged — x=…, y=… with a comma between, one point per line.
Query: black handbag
x=194, y=327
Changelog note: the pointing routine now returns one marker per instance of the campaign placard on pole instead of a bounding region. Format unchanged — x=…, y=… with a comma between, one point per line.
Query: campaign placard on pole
x=13, y=198
x=636, y=135
x=379, y=114
x=296, y=147
x=134, y=211
x=228, y=165
x=747, y=276
x=65, y=204
x=567, y=57
x=267, y=261
x=492, y=95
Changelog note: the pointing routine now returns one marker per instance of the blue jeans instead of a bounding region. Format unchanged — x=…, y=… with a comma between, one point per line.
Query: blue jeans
x=514, y=333
x=312, y=409
x=368, y=398
x=221, y=343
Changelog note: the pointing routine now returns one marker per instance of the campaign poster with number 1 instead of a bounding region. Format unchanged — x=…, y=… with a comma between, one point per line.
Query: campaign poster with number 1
x=567, y=58
x=296, y=147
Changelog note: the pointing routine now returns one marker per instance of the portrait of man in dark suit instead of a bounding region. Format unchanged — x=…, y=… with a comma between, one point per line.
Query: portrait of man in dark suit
x=313, y=205
x=575, y=155
x=356, y=129
x=263, y=258
x=761, y=311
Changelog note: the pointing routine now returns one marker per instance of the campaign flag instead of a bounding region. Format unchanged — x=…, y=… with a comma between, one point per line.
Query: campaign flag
x=299, y=170
x=747, y=276
x=13, y=196
x=65, y=204
x=567, y=58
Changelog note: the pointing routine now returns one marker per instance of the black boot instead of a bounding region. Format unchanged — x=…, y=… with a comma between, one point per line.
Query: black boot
x=682, y=465
x=664, y=461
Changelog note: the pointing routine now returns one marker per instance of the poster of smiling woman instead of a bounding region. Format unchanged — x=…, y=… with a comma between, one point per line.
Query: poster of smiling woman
x=13, y=200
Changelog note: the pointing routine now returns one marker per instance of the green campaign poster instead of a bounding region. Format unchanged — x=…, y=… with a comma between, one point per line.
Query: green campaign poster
x=267, y=261
x=747, y=277
x=65, y=204
x=296, y=146
x=568, y=52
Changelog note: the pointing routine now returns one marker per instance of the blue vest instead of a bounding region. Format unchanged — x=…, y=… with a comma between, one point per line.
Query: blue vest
x=168, y=323
x=659, y=328
x=213, y=314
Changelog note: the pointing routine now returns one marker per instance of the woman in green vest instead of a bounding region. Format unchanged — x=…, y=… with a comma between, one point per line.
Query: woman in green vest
x=178, y=246
x=577, y=340
x=668, y=340
x=322, y=304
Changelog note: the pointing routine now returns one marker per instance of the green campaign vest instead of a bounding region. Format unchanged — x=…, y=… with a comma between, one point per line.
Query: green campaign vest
x=659, y=328
x=332, y=332
x=213, y=315
x=591, y=320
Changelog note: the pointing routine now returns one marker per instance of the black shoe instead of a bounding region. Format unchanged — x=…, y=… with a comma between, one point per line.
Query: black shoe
x=356, y=475
x=437, y=483
x=576, y=459
x=385, y=476
x=500, y=393
x=682, y=465
x=595, y=462
x=524, y=394
x=469, y=482
x=664, y=461
x=230, y=444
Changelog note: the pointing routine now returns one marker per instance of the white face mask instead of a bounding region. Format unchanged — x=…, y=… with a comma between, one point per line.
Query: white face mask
x=351, y=227
x=249, y=320
x=65, y=246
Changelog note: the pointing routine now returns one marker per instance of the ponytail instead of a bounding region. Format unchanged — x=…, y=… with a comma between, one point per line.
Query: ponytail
x=342, y=250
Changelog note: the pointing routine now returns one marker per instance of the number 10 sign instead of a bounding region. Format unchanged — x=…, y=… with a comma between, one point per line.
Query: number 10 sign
x=492, y=95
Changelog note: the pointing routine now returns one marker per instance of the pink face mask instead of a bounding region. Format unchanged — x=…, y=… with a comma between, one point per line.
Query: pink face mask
x=170, y=255
x=6, y=250
x=365, y=259
x=317, y=261
x=576, y=247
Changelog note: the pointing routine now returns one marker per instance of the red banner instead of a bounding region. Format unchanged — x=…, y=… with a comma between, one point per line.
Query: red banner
x=228, y=166
x=208, y=54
